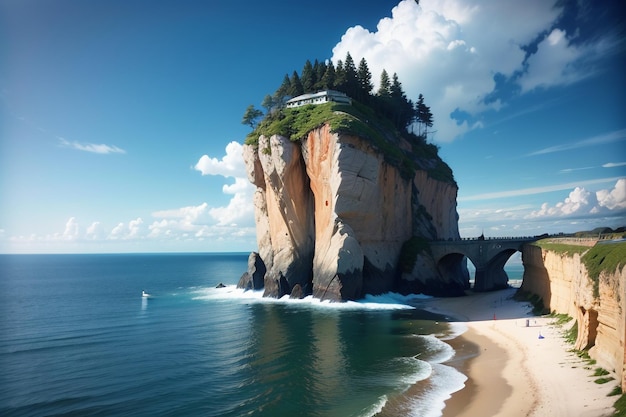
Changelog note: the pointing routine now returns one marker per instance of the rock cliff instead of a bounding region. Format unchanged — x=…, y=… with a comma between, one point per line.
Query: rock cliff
x=334, y=218
x=563, y=283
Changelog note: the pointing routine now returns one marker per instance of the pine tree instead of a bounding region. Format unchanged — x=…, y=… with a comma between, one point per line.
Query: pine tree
x=251, y=115
x=352, y=85
x=269, y=103
x=384, y=90
x=328, y=80
x=295, y=86
x=403, y=111
x=364, y=79
x=281, y=95
x=340, y=77
x=307, y=77
x=423, y=115
x=320, y=70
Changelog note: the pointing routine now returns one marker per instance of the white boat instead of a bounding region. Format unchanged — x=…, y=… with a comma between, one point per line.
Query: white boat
x=144, y=294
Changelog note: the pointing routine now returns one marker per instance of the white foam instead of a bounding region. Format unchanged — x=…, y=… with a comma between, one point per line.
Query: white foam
x=422, y=370
x=456, y=329
x=375, y=408
x=444, y=381
x=437, y=351
x=387, y=301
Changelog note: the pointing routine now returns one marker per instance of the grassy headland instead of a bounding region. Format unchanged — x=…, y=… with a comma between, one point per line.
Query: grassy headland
x=358, y=120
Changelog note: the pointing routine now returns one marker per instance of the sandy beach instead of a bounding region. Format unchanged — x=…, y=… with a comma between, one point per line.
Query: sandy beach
x=519, y=364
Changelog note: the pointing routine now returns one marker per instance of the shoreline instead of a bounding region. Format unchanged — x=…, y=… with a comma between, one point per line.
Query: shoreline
x=517, y=364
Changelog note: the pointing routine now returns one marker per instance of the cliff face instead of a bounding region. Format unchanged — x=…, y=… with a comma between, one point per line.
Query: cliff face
x=332, y=217
x=565, y=287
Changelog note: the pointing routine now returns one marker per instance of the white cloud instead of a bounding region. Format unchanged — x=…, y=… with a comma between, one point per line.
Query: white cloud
x=534, y=190
x=614, y=199
x=231, y=164
x=90, y=147
x=553, y=63
x=615, y=136
x=95, y=231
x=451, y=50
x=240, y=208
x=614, y=164
x=134, y=230
x=233, y=222
x=581, y=202
x=71, y=229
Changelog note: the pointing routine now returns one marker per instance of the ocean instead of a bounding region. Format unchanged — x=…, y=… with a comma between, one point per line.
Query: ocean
x=78, y=339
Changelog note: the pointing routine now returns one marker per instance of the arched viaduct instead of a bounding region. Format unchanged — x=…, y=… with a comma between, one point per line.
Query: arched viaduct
x=487, y=255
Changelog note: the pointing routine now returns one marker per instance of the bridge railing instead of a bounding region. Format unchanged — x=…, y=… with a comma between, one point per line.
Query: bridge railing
x=474, y=239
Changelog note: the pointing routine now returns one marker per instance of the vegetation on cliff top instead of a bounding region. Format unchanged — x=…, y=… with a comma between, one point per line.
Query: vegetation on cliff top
x=383, y=118
x=602, y=257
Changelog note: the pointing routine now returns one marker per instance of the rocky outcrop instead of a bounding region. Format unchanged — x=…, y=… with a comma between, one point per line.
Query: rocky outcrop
x=564, y=285
x=332, y=216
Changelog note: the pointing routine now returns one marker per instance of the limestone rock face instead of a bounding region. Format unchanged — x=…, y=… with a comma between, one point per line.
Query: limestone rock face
x=332, y=216
x=564, y=285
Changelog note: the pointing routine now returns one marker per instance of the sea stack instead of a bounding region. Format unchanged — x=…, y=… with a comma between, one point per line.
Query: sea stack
x=338, y=217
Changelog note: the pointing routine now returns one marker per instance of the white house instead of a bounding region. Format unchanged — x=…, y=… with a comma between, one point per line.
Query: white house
x=319, y=98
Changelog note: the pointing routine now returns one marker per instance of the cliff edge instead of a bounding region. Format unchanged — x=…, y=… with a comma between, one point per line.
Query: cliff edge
x=598, y=303
x=338, y=216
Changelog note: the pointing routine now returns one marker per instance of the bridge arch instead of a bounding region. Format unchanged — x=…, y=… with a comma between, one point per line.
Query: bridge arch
x=488, y=256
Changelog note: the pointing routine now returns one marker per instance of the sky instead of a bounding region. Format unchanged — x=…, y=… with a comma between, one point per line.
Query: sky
x=120, y=120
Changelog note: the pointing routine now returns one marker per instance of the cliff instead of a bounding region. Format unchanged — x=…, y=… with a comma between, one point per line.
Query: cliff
x=563, y=282
x=336, y=216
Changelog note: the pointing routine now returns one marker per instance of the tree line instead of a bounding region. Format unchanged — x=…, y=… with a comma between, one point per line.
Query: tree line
x=389, y=100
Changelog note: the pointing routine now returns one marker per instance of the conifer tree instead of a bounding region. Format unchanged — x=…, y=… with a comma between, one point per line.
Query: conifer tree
x=328, y=80
x=280, y=96
x=403, y=111
x=295, y=86
x=269, y=103
x=352, y=85
x=384, y=89
x=423, y=116
x=320, y=70
x=307, y=78
x=364, y=79
x=251, y=115
x=340, y=77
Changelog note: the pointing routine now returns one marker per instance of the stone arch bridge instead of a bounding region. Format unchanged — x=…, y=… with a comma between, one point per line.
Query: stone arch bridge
x=487, y=255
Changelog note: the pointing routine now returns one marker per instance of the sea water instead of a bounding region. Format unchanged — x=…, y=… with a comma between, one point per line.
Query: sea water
x=78, y=338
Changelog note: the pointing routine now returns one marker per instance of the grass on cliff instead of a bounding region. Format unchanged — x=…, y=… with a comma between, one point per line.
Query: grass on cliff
x=604, y=257
x=620, y=406
x=561, y=248
x=358, y=120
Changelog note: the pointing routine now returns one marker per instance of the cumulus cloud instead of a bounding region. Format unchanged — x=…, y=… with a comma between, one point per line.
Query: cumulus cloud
x=90, y=147
x=451, y=51
x=239, y=209
x=231, y=164
x=232, y=222
x=582, y=202
x=614, y=199
x=95, y=231
x=71, y=231
x=134, y=230
x=533, y=190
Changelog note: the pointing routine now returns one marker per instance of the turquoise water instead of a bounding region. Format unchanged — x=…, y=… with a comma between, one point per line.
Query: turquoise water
x=77, y=338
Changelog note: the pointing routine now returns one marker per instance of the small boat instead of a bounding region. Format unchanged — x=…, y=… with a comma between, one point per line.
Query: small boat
x=144, y=294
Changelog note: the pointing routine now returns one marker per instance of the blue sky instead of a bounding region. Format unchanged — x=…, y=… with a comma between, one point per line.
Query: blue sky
x=120, y=121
